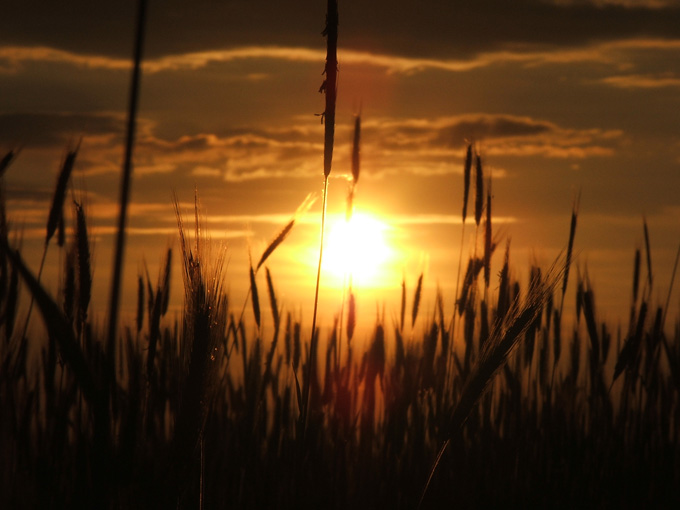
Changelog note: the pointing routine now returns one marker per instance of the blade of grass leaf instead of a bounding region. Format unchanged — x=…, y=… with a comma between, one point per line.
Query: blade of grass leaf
x=126, y=178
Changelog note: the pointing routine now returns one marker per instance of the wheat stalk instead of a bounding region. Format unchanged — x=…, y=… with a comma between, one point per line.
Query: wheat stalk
x=84, y=264
x=126, y=178
x=329, y=87
x=281, y=236
x=570, y=247
x=487, y=240
x=6, y=161
x=255, y=298
x=648, y=251
x=479, y=189
x=467, y=170
x=503, y=339
x=416, y=300
x=59, y=328
x=55, y=217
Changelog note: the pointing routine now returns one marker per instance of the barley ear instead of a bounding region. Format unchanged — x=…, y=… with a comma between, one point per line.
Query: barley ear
x=403, y=304
x=570, y=247
x=557, y=339
x=140, y=303
x=631, y=346
x=69, y=283
x=59, y=328
x=649, y=254
x=351, y=316
x=275, y=243
x=356, y=149
x=502, y=340
x=56, y=210
x=272, y=300
x=479, y=189
x=281, y=236
x=487, y=238
x=504, y=286
x=466, y=179
x=12, y=300
x=164, y=285
x=254, y=296
x=670, y=286
x=416, y=300
x=636, y=276
x=6, y=161
x=329, y=86
x=84, y=264
x=591, y=326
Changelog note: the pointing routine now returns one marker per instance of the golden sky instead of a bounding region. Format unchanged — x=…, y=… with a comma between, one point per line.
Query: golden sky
x=560, y=97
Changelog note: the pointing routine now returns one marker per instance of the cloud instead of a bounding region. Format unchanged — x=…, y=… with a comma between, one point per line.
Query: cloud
x=643, y=81
x=160, y=168
x=28, y=197
x=390, y=145
x=238, y=157
x=423, y=29
x=49, y=129
x=630, y=4
x=614, y=53
x=438, y=219
x=421, y=140
x=13, y=57
x=205, y=171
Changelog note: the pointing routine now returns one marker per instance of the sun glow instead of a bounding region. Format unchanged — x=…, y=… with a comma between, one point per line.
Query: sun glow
x=358, y=250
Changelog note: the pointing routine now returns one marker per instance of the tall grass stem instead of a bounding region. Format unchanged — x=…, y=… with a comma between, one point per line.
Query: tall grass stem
x=116, y=282
x=312, y=348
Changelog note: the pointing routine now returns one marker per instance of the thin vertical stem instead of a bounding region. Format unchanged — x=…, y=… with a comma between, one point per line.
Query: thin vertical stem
x=202, y=475
x=670, y=287
x=329, y=87
x=449, y=360
x=30, y=305
x=312, y=348
x=116, y=283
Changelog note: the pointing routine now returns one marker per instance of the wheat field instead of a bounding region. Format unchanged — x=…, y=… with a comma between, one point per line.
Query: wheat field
x=497, y=396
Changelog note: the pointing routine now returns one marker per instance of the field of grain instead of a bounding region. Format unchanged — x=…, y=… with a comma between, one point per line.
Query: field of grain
x=500, y=401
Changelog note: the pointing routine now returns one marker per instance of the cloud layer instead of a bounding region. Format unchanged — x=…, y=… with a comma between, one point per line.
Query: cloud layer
x=424, y=29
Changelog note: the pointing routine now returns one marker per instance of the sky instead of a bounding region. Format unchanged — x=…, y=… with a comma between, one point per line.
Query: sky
x=563, y=99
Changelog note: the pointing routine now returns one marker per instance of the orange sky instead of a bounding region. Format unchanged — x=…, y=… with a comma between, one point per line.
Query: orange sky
x=561, y=97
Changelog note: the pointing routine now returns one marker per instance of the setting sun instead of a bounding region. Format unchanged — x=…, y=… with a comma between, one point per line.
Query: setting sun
x=357, y=248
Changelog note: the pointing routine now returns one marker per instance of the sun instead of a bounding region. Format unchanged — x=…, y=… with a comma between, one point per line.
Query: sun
x=357, y=249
